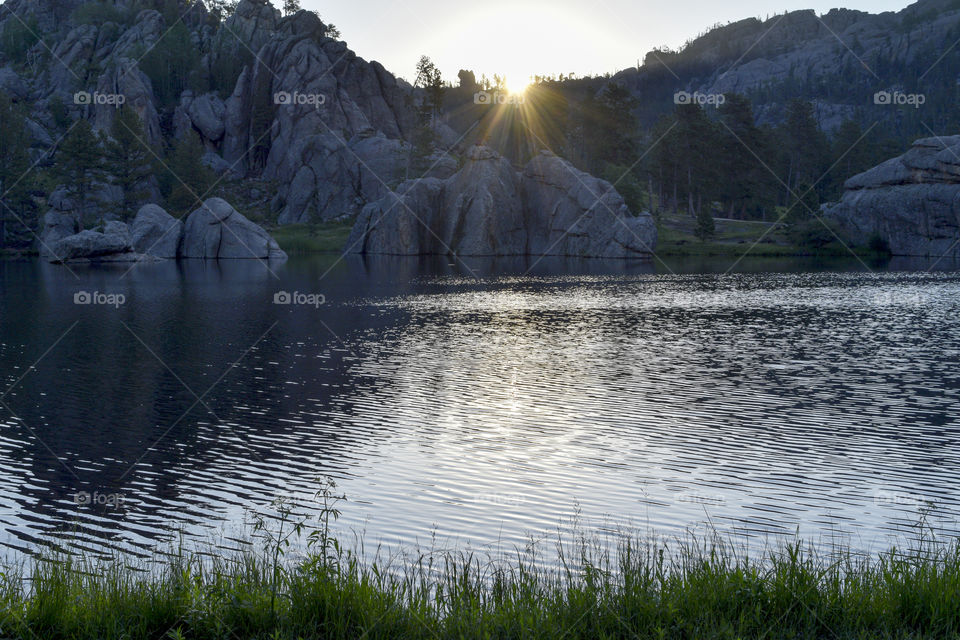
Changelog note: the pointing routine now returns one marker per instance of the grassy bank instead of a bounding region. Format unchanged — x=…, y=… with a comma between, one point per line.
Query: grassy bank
x=734, y=238
x=324, y=237
x=686, y=590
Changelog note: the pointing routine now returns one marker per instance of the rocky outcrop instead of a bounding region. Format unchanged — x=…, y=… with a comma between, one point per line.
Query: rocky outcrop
x=214, y=231
x=125, y=78
x=88, y=244
x=327, y=127
x=489, y=209
x=769, y=59
x=571, y=213
x=336, y=178
x=912, y=202
x=218, y=231
x=156, y=232
x=297, y=110
x=57, y=225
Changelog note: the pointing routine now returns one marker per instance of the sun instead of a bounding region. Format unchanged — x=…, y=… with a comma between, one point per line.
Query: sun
x=517, y=85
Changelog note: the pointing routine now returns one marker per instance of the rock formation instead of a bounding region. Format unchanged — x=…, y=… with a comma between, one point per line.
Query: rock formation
x=768, y=59
x=489, y=209
x=215, y=231
x=912, y=202
x=155, y=232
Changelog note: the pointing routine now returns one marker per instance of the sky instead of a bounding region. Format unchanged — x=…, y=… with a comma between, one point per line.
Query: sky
x=520, y=38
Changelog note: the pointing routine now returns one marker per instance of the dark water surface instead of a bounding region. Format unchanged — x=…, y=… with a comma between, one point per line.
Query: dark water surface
x=483, y=408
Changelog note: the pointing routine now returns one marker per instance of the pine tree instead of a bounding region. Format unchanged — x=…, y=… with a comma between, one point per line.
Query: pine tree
x=430, y=79
x=744, y=178
x=128, y=161
x=290, y=7
x=81, y=161
x=806, y=148
x=705, y=228
x=14, y=162
x=186, y=177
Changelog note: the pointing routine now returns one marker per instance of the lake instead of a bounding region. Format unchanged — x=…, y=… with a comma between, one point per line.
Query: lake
x=483, y=402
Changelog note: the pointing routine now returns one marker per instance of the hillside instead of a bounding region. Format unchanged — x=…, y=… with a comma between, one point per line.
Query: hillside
x=838, y=61
x=288, y=121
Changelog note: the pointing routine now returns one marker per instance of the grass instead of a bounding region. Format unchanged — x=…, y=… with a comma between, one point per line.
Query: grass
x=324, y=237
x=688, y=589
x=734, y=238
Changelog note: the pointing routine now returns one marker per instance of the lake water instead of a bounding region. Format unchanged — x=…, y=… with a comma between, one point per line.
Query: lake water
x=483, y=409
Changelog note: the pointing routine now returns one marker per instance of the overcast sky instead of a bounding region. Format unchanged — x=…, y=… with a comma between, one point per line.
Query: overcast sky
x=523, y=37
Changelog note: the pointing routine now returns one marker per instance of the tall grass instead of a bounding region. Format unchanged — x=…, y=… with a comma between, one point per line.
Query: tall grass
x=694, y=588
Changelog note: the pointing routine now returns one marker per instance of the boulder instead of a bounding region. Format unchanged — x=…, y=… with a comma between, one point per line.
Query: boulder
x=489, y=209
x=57, y=225
x=92, y=244
x=207, y=114
x=218, y=231
x=155, y=232
x=912, y=202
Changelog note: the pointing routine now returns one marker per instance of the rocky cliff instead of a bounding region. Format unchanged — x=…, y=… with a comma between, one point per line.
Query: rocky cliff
x=838, y=61
x=271, y=98
x=912, y=202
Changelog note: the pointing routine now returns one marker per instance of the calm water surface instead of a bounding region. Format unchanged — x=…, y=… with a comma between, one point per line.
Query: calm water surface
x=480, y=408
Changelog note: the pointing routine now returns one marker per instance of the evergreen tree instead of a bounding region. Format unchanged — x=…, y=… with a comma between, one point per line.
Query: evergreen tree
x=430, y=79
x=610, y=128
x=804, y=205
x=705, y=228
x=290, y=7
x=805, y=146
x=695, y=137
x=14, y=163
x=744, y=181
x=185, y=178
x=128, y=162
x=81, y=162
x=170, y=63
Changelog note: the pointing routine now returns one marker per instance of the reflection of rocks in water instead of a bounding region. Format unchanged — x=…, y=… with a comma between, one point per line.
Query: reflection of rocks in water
x=124, y=415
